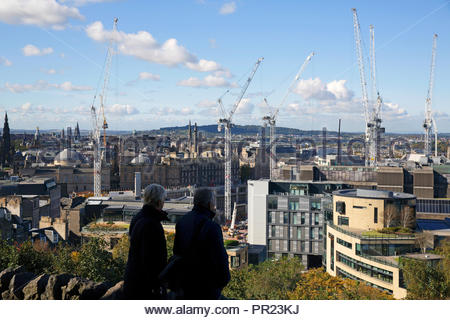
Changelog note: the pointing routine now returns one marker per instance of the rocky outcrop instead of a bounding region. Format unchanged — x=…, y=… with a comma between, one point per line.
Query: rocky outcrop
x=18, y=284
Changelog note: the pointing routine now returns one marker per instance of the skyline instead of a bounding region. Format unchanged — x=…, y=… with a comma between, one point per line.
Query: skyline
x=174, y=63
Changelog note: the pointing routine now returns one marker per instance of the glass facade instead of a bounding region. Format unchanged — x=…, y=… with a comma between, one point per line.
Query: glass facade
x=343, y=221
x=372, y=271
x=385, y=249
x=344, y=243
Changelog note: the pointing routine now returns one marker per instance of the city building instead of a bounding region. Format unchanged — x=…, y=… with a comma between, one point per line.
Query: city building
x=287, y=218
x=354, y=246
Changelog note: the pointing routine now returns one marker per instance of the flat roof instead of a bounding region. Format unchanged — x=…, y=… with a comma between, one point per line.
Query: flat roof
x=373, y=194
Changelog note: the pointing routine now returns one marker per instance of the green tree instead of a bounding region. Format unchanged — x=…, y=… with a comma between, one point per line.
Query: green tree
x=428, y=280
x=170, y=238
x=8, y=255
x=36, y=258
x=65, y=259
x=95, y=263
x=120, y=250
x=270, y=280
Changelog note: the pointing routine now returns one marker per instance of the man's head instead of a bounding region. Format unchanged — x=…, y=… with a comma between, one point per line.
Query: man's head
x=204, y=197
x=154, y=195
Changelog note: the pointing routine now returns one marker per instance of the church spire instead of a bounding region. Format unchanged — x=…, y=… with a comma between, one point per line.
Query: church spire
x=6, y=143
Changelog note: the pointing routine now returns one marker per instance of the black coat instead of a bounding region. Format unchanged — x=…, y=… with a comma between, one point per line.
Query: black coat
x=208, y=271
x=147, y=256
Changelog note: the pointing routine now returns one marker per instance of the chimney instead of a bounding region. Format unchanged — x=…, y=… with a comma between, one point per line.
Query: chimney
x=137, y=185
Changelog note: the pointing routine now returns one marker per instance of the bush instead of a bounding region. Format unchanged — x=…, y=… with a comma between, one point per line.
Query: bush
x=231, y=243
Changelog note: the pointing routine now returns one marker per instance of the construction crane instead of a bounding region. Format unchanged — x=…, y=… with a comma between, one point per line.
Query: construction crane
x=428, y=123
x=226, y=124
x=272, y=117
x=372, y=117
x=374, y=124
x=96, y=125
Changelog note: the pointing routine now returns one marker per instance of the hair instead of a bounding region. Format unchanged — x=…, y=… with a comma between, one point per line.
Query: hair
x=154, y=194
x=203, y=197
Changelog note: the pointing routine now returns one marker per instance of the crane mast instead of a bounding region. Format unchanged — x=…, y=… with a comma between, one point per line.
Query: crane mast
x=99, y=149
x=272, y=117
x=372, y=118
x=428, y=123
x=226, y=123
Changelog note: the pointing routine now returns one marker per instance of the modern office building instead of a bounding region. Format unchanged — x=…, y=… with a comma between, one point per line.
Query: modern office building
x=354, y=247
x=287, y=218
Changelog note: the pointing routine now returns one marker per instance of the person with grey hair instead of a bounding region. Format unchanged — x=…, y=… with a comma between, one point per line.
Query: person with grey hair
x=147, y=256
x=199, y=241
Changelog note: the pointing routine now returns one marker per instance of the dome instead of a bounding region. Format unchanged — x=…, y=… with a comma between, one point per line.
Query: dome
x=68, y=157
x=141, y=159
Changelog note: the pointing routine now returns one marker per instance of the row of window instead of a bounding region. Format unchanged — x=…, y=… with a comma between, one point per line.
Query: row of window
x=294, y=246
x=295, y=232
x=294, y=204
x=345, y=274
x=374, y=272
x=384, y=249
x=293, y=217
x=344, y=243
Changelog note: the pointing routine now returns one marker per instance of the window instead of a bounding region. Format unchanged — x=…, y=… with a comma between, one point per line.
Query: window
x=359, y=207
x=303, y=218
x=294, y=218
x=311, y=233
x=273, y=231
x=235, y=261
x=272, y=203
x=358, y=249
x=375, y=215
x=340, y=207
x=316, y=218
x=320, y=234
x=344, y=243
x=271, y=217
x=302, y=246
x=285, y=217
x=299, y=233
x=343, y=221
x=293, y=205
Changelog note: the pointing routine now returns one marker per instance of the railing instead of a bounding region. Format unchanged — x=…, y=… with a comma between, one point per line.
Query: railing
x=382, y=261
x=365, y=237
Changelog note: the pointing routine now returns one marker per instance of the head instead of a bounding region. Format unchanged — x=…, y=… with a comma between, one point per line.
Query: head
x=154, y=195
x=204, y=197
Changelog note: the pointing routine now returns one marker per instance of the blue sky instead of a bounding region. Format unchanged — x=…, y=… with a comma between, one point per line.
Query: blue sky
x=175, y=58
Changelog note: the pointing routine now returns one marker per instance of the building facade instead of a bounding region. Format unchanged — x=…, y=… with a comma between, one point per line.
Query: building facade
x=354, y=248
x=287, y=218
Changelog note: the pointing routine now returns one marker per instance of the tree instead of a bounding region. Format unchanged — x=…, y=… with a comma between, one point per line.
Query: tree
x=95, y=263
x=65, y=259
x=170, y=238
x=423, y=240
x=270, y=280
x=407, y=217
x=390, y=214
x=424, y=280
x=120, y=250
x=316, y=284
x=8, y=255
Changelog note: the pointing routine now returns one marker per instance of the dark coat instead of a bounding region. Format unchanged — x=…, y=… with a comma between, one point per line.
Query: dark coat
x=147, y=256
x=207, y=272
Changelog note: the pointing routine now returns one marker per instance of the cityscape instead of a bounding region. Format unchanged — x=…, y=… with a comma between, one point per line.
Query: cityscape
x=327, y=183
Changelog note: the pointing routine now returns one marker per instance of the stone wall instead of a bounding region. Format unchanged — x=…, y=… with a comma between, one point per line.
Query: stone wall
x=18, y=284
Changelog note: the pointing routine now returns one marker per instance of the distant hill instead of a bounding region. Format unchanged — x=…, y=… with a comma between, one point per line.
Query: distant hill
x=239, y=129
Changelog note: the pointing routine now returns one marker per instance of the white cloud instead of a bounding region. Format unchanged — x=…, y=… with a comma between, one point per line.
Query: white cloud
x=440, y=114
x=204, y=65
x=228, y=8
x=49, y=71
x=5, y=62
x=149, y=76
x=245, y=107
x=31, y=50
x=208, y=81
x=41, y=85
x=392, y=111
x=79, y=3
x=318, y=90
x=186, y=111
x=42, y=13
x=26, y=106
x=207, y=104
x=143, y=46
x=122, y=109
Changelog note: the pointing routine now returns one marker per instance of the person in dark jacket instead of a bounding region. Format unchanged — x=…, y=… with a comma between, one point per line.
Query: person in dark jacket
x=147, y=256
x=199, y=240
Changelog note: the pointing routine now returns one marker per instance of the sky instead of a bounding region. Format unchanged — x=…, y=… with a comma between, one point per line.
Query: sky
x=173, y=59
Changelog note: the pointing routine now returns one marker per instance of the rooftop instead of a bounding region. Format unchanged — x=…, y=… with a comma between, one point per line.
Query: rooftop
x=373, y=194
